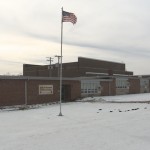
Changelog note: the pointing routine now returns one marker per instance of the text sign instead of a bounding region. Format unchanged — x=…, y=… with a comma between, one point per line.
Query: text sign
x=45, y=89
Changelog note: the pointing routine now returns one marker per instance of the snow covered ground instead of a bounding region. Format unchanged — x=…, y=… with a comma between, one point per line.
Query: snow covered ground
x=84, y=126
x=121, y=98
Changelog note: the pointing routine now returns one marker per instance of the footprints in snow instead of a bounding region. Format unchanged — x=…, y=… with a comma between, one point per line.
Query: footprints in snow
x=133, y=109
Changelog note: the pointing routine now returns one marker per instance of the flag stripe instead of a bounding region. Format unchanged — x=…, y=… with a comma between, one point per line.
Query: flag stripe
x=69, y=17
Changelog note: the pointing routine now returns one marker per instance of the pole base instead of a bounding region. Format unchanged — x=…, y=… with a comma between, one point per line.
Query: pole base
x=60, y=114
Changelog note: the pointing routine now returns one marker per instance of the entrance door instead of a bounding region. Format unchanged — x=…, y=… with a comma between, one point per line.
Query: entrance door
x=66, y=93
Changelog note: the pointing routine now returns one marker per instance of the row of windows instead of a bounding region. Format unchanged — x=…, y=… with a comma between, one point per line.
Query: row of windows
x=93, y=87
x=90, y=87
x=122, y=83
x=89, y=91
x=123, y=87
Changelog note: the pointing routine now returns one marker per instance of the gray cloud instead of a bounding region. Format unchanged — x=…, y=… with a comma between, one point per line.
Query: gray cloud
x=118, y=27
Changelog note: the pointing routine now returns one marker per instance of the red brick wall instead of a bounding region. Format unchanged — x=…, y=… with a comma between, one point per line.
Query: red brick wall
x=134, y=86
x=33, y=92
x=93, y=63
x=104, y=88
x=12, y=91
x=108, y=88
x=76, y=69
x=75, y=89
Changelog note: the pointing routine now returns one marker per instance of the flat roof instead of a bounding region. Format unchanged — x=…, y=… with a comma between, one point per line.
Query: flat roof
x=35, y=78
x=101, y=60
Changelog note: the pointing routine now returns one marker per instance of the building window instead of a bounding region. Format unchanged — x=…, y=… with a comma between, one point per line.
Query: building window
x=90, y=86
x=122, y=83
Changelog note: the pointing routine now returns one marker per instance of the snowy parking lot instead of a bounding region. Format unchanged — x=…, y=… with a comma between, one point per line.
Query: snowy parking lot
x=83, y=126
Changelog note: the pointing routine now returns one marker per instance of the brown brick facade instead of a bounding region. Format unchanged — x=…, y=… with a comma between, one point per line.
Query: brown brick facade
x=108, y=88
x=12, y=92
x=20, y=91
x=25, y=90
x=77, y=69
x=134, y=86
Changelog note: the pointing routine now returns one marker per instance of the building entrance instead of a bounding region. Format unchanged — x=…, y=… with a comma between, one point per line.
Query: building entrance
x=66, y=93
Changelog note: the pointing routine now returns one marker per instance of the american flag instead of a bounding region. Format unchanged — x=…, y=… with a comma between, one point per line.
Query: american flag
x=69, y=17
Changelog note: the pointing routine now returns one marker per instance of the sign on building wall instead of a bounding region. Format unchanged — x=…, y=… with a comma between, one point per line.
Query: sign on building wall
x=45, y=89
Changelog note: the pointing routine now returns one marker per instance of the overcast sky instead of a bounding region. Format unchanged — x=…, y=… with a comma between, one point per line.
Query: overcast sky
x=112, y=30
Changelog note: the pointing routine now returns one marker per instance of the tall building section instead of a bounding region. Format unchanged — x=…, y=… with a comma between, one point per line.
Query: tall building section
x=82, y=68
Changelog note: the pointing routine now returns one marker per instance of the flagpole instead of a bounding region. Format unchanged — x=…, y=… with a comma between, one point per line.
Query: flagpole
x=60, y=89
